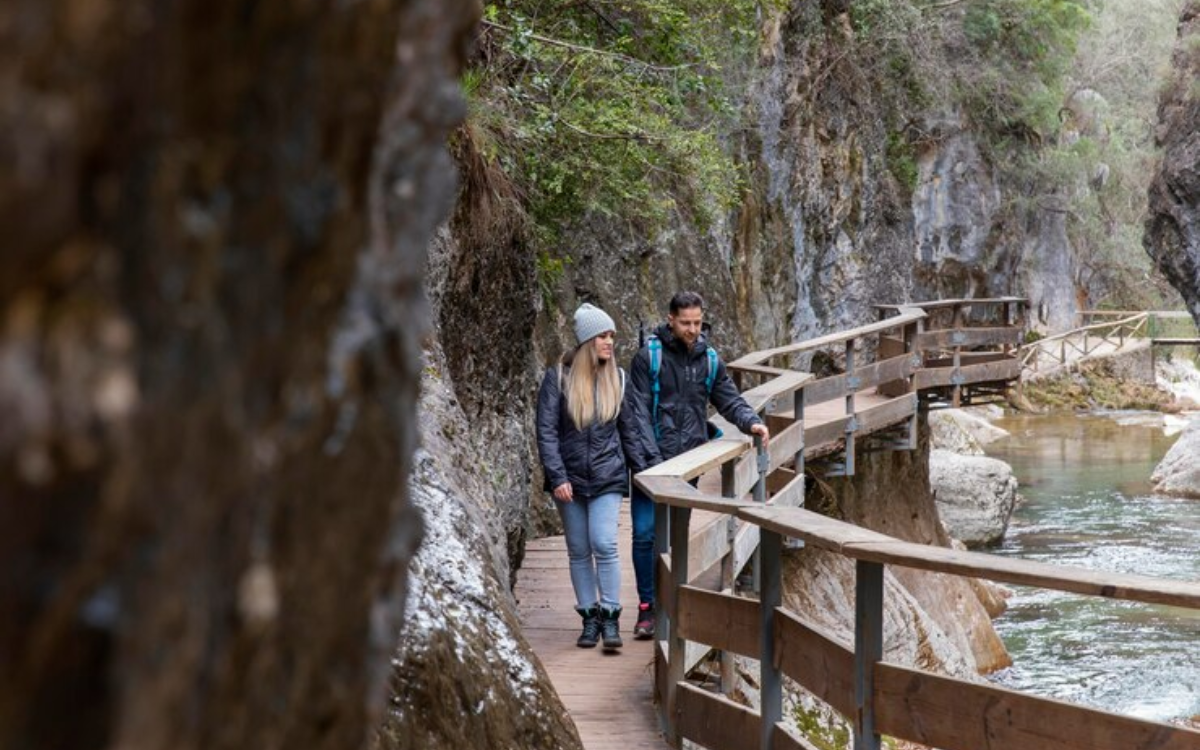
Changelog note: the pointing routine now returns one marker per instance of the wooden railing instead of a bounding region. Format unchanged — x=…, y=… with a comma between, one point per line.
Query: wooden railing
x=876, y=696
x=1065, y=348
x=949, y=352
x=1163, y=327
x=730, y=501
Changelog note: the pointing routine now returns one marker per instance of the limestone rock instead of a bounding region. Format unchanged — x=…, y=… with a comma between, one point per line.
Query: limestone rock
x=975, y=496
x=1179, y=471
x=961, y=431
x=210, y=321
x=1172, y=232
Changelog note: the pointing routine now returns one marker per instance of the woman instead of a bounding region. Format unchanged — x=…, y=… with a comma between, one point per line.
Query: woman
x=585, y=431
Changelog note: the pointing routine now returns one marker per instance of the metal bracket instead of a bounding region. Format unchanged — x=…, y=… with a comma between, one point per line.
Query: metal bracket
x=958, y=378
x=852, y=424
x=958, y=338
x=853, y=383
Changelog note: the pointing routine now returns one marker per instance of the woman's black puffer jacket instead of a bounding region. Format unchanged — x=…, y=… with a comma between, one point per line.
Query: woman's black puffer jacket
x=594, y=459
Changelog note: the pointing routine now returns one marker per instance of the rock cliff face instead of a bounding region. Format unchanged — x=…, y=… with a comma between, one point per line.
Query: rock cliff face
x=1172, y=235
x=210, y=318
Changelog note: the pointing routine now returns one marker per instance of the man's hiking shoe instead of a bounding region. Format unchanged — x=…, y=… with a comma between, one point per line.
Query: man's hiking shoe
x=591, y=627
x=643, y=629
x=610, y=628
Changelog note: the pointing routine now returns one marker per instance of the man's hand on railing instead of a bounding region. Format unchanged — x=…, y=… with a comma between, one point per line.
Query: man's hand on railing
x=762, y=431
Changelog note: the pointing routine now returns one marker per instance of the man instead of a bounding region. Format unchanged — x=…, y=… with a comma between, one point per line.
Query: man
x=689, y=377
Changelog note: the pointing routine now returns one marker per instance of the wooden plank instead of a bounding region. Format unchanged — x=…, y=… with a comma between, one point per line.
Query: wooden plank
x=1175, y=342
x=1123, y=586
x=862, y=544
x=791, y=495
x=744, y=544
x=957, y=715
x=786, y=383
x=676, y=492
x=907, y=316
x=707, y=544
x=983, y=336
x=695, y=462
x=779, y=479
x=745, y=474
x=1128, y=313
x=763, y=370
x=784, y=446
x=864, y=377
x=888, y=413
x=820, y=531
x=988, y=372
x=944, y=303
x=722, y=621
x=816, y=660
x=713, y=720
x=816, y=435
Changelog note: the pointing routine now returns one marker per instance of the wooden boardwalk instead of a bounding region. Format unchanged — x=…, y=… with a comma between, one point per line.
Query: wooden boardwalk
x=609, y=696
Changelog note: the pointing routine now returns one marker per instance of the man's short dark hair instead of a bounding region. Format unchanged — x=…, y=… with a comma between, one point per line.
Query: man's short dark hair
x=686, y=301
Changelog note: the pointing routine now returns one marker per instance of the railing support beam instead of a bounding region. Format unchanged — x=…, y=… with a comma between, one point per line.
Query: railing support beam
x=677, y=646
x=868, y=649
x=771, y=596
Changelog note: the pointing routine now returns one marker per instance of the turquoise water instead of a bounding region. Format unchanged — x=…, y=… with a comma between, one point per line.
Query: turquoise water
x=1089, y=504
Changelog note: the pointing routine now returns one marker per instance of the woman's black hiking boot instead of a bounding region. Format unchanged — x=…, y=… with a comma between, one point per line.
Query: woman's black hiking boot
x=611, y=628
x=591, y=627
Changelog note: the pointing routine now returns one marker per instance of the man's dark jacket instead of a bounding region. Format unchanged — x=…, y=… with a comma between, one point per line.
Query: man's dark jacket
x=593, y=459
x=683, y=398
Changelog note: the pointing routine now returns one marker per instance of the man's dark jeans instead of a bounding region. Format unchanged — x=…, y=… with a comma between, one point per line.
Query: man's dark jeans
x=641, y=508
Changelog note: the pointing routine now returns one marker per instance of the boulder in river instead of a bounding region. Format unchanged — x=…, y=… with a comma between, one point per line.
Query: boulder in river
x=975, y=496
x=1179, y=472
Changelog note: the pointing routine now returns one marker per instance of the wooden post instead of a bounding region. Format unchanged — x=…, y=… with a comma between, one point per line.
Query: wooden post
x=662, y=526
x=868, y=649
x=676, y=645
x=770, y=681
x=850, y=407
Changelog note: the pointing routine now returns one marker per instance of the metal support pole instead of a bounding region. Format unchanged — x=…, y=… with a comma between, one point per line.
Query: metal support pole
x=798, y=411
x=760, y=496
x=868, y=649
x=770, y=681
x=956, y=393
x=728, y=575
x=850, y=409
x=677, y=646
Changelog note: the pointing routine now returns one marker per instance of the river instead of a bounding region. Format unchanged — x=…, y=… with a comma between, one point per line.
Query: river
x=1088, y=503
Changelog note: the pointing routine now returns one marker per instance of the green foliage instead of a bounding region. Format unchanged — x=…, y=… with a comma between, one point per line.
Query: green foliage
x=615, y=106
x=1023, y=50
x=821, y=733
x=550, y=271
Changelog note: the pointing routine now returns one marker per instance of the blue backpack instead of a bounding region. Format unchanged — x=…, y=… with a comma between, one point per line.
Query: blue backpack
x=654, y=345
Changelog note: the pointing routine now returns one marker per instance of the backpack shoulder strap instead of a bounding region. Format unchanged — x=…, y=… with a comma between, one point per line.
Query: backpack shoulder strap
x=654, y=349
x=713, y=361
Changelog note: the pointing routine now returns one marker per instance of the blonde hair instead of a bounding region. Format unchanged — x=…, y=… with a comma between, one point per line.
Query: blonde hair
x=593, y=388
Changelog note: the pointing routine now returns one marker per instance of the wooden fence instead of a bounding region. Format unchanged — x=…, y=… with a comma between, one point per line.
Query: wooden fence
x=707, y=533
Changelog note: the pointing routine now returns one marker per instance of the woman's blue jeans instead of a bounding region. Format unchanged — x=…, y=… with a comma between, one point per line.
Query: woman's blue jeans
x=641, y=510
x=590, y=528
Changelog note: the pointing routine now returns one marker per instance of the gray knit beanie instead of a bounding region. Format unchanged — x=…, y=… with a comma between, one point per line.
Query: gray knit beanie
x=590, y=322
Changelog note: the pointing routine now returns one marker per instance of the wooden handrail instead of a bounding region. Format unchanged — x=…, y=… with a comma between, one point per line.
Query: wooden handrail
x=863, y=544
x=879, y=697
x=947, y=303
x=757, y=358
